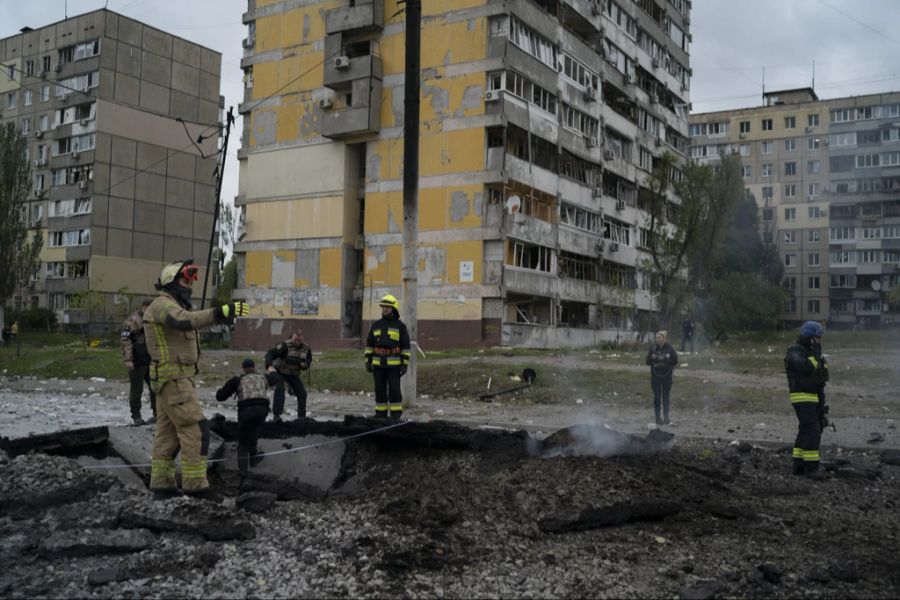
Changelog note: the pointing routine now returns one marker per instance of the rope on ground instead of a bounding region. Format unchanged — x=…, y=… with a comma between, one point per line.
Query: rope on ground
x=286, y=451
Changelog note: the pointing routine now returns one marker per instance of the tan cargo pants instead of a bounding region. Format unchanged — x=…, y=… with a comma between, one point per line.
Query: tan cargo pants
x=180, y=424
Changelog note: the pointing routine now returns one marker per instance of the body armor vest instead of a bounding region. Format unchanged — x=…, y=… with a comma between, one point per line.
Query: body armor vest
x=253, y=386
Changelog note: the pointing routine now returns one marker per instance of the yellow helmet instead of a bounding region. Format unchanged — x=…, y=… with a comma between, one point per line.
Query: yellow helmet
x=171, y=271
x=389, y=300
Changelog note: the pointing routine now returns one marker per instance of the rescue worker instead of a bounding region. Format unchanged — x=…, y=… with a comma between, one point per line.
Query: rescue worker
x=687, y=332
x=137, y=361
x=662, y=360
x=14, y=331
x=170, y=328
x=807, y=374
x=286, y=361
x=387, y=358
x=251, y=389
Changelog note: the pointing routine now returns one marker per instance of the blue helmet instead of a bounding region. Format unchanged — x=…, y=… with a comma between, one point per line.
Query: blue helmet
x=812, y=329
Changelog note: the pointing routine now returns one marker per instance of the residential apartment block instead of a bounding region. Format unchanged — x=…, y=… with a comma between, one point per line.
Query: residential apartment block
x=119, y=188
x=540, y=120
x=825, y=175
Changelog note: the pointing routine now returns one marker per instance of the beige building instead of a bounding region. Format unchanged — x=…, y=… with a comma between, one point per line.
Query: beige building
x=119, y=189
x=540, y=120
x=824, y=174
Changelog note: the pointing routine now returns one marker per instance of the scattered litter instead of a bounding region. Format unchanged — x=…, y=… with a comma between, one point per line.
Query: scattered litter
x=98, y=379
x=579, y=401
x=660, y=539
x=875, y=438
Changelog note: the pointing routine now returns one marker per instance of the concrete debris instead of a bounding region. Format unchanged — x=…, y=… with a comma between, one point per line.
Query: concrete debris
x=890, y=457
x=187, y=515
x=256, y=502
x=440, y=510
x=88, y=542
x=875, y=438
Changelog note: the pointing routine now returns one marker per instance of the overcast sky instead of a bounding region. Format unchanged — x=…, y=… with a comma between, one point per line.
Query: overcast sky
x=855, y=45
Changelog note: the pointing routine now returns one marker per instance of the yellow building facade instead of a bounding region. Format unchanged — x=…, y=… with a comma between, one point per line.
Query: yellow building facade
x=321, y=165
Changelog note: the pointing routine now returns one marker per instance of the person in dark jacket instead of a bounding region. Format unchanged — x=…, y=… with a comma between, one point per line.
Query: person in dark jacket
x=687, y=333
x=387, y=358
x=287, y=360
x=137, y=361
x=662, y=360
x=807, y=373
x=251, y=389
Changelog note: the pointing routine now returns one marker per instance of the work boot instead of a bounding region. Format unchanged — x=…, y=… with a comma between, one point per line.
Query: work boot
x=150, y=420
x=276, y=419
x=138, y=422
x=166, y=494
x=799, y=469
x=256, y=457
x=817, y=475
x=396, y=414
x=381, y=414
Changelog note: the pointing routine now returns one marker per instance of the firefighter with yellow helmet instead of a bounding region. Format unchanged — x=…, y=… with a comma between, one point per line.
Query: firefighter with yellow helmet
x=387, y=358
x=170, y=328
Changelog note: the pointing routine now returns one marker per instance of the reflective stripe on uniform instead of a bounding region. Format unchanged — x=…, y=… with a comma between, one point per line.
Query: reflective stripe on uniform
x=814, y=362
x=810, y=455
x=376, y=332
x=193, y=470
x=393, y=362
x=798, y=452
x=369, y=351
x=381, y=407
x=797, y=397
x=396, y=407
x=394, y=334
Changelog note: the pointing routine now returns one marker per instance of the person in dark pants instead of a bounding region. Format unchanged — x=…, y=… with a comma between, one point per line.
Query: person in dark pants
x=387, y=358
x=137, y=361
x=807, y=373
x=251, y=389
x=287, y=360
x=687, y=332
x=662, y=360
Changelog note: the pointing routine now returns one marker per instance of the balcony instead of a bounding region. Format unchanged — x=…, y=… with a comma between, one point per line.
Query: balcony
x=529, y=229
x=530, y=281
x=342, y=71
x=362, y=117
x=362, y=16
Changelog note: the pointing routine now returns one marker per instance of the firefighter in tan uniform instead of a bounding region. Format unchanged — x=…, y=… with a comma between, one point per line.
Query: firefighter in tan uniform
x=170, y=327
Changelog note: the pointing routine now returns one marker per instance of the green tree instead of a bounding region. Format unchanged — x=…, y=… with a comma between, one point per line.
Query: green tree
x=686, y=220
x=227, y=283
x=20, y=248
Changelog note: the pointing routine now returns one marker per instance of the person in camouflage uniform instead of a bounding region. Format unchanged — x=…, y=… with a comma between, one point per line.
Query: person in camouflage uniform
x=251, y=389
x=170, y=327
x=137, y=361
x=286, y=361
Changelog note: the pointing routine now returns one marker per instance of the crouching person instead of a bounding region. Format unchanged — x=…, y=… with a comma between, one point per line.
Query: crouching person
x=251, y=389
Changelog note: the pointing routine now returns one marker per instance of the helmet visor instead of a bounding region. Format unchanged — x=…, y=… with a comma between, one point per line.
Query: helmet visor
x=189, y=272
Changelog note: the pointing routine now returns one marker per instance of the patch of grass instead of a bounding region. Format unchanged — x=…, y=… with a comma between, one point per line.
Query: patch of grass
x=68, y=361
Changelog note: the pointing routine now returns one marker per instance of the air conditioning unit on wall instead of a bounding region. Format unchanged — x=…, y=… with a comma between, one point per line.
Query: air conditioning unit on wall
x=341, y=62
x=492, y=95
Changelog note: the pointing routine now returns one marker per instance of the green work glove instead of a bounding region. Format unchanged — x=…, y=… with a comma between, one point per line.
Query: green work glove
x=230, y=311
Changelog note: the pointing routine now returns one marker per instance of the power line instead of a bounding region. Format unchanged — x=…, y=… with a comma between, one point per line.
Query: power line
x=858, y=22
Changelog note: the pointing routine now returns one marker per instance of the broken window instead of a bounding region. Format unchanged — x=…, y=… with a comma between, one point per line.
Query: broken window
x=578, y=169
x=532, y=43
x=574, y=119
x=543, y=153
x=531, y=256
x=616, y=231
x=574, y=314
x=578, y=217
x=578, y=266
x=619, y=276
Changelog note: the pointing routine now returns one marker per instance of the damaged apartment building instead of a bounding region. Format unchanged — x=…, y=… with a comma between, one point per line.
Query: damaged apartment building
x=119, y=186
x=540, y=122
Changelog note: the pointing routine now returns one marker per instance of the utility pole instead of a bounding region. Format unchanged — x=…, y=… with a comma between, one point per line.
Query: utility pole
x=411, y=189
x=220, y=171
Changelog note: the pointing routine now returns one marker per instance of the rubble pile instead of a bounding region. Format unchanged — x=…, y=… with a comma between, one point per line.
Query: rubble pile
x=702, y=520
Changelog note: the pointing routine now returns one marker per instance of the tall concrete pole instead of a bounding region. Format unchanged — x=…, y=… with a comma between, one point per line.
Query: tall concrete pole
x=409, y=312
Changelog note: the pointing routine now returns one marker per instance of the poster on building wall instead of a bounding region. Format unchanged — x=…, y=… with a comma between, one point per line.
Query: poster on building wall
x=304, y=302
x=466, y=271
